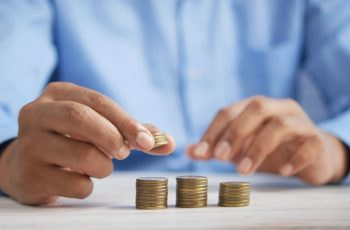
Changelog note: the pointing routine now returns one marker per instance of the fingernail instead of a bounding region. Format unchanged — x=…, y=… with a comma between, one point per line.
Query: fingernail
x=245, y=165
x=222, y=151
x=201, y=149
x=286, y=170
x=122, y=153
x=145, y=140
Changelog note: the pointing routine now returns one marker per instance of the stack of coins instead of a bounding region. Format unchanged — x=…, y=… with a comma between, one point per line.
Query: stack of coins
x=151, y=193
x=234, y=194
x=160, y=139
x=191, y=191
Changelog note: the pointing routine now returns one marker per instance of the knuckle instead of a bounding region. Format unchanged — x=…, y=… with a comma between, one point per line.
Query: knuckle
x=52, y=86
x=258, y=103
x=224, y=114
x=129, y=124
x=78, y=114
x=278, y=121
x=83, y=188
x=98, y=100
x=25, y=113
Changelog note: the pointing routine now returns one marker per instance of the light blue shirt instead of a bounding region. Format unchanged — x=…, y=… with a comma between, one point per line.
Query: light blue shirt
x=175, y=63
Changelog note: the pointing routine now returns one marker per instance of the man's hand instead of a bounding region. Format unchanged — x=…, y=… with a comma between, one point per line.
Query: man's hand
x=273, y=136
x=66, y=136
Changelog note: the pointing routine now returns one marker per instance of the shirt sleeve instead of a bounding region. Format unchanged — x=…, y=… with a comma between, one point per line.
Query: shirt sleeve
x=328, y=61
x=27, y=57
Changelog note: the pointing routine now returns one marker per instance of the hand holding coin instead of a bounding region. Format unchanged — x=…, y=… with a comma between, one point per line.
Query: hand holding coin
x=66, y=136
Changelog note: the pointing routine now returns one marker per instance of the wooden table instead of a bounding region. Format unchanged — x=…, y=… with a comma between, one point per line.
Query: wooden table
x=276, y=203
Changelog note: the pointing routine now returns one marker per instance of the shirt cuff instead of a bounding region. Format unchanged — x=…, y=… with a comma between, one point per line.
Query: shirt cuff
x=2, y=147
x=3, y=194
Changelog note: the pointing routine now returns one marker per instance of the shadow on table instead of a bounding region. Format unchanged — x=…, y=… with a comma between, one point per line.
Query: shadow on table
x=72, y=205
x=80, y=206
x=278, y=186
x=285, y=186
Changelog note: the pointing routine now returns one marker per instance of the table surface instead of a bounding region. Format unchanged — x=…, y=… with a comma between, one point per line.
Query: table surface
x=276, y=203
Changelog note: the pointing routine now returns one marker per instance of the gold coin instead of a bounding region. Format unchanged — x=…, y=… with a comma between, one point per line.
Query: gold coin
x=233, y=205
x=191, y=191
x=234, y=194
x=156, y=145
x=190, y=178
x=151, y=193
x=152, y=179
x=235, y=184
x=192, y=205
x=160, y=139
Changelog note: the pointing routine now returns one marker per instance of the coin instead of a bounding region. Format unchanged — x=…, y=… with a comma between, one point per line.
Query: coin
x=191, y=191
x=151, y=193
x=160, y=139
x=234, y=194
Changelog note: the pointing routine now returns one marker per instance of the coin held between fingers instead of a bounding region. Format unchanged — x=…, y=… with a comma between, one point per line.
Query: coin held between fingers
x=160, y=139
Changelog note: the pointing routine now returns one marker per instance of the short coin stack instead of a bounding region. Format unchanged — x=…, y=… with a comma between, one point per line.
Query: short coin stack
x=160, y=139
x=151, y=193
x=191, y=191
x=234, y=194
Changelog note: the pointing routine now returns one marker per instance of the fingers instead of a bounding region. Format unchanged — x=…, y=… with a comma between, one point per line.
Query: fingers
x=135, y=133
x=162, y=150
x=258, y=129
x=247, y=123
x=61, y=182
x=190, y=150
x=74, y=119
x=275, y=132
x=304, y=156
x=204, y=149
x=77, y=156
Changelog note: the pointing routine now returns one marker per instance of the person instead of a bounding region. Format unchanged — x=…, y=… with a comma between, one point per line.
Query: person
x=260, y=86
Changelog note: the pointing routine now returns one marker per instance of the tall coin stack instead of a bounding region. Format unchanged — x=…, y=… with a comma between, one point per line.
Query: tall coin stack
x=151, y=193
x=160, y=139
x=234, y=194
x=191, y=191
